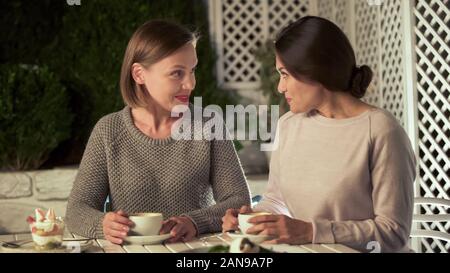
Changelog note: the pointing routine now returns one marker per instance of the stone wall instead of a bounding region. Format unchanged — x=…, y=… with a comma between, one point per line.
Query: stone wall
x=22, y=192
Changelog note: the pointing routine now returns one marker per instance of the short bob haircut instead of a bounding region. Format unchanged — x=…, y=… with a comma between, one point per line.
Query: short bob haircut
x=152, y=42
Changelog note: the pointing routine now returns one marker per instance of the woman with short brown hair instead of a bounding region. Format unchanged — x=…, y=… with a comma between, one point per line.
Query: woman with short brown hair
x=132, y=158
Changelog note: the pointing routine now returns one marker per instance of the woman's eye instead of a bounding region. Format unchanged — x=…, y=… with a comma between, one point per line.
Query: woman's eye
x=177, y=74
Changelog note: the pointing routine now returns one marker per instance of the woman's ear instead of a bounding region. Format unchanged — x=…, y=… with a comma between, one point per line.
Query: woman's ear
x=137, y=71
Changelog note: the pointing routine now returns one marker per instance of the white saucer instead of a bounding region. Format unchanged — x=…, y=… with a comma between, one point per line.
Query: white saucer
x=146, y=240
x=67, y=247
x=257, y=239
x=204, y=249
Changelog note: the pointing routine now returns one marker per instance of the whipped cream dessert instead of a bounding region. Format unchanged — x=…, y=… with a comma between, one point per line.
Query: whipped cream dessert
x=243, y=245
x=47, y=230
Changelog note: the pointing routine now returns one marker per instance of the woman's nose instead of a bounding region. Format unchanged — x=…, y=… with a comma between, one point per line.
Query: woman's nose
x=189, y=83
x=281, y=87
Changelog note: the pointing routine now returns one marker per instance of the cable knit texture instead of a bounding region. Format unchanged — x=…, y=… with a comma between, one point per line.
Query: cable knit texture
x=199, y=179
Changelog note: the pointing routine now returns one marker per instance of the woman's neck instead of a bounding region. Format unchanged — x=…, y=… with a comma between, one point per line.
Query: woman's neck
x=153, y=121
x=341, y=105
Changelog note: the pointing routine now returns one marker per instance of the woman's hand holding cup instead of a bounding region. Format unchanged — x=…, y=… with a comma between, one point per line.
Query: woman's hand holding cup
x=230, y=220
x=116, y=226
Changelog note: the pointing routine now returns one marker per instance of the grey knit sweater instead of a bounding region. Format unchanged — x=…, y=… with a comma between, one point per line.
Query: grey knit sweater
x=195, y=178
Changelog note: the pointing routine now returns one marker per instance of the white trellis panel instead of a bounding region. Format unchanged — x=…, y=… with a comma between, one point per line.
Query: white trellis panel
x=242, y=26
x=283, y=12
x=380, y=45
x=367, y=33
x=343, y=17
x=325, y=9
x=392, y=66
x=338, y=11
x=432, y=35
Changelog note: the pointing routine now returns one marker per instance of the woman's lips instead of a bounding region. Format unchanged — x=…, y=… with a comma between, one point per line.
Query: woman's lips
x=288, y=100
x=183, y=98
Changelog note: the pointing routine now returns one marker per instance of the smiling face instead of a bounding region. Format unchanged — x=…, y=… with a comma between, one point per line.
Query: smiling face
x=301, y=95
x=170, y=81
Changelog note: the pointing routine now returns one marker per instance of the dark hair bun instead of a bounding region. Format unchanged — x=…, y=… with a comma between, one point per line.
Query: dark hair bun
x=362, y=76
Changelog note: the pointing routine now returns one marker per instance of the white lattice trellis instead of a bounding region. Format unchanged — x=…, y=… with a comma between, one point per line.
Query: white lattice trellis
x=281, y=13
x=368, y=46
x=243, y=32
x=326, y=9
x=379, y=44
x=432, y=34
x=241, y=26
x=392, y=67
x=338, y=11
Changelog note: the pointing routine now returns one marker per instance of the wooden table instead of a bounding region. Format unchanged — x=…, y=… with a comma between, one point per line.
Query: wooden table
x=104, y=246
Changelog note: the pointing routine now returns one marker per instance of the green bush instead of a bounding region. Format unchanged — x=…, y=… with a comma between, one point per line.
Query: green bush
x=26, y=27
x=34, y=115
x=84, y=46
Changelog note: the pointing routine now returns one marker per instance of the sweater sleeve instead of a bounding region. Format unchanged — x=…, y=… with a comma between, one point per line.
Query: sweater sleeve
x=84, y=215
x=392, y=168
x=229, y=187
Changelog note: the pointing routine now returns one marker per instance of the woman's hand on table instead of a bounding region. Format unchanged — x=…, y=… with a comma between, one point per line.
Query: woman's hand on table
x=284, y=229
x=230, y=220
x=116, y=226
x=181, y=228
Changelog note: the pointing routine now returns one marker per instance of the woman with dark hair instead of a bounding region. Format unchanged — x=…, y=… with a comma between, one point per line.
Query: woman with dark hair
x=344, y=170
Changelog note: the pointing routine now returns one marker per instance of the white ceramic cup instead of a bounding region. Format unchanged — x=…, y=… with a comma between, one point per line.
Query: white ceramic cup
x=243, y=218
x=146, y=224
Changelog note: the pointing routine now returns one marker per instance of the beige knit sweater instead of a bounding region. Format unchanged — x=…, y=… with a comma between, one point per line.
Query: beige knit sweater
x=352, y=178
x=197, y=178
